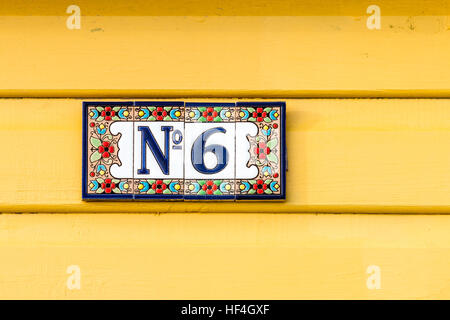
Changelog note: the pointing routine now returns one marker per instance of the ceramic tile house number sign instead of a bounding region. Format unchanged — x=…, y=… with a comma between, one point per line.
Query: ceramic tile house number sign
x=172, y=150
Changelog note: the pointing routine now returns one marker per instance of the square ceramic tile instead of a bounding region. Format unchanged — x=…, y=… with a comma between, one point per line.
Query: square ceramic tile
x=159, y=150
x=209, y=158
x=260, y=150
x=107, y=169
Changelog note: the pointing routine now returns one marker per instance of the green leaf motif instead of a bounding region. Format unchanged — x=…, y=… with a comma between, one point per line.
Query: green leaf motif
x=201, y=193
x=252, y=191
x=217, y=192
x=272, y=143
x=99, y=190
x=202, y=119
x=100, y=180
x=167, y=181
x=201, y=182
x=217, y=119
x=95, y=142
x=167, y=108
x=268, y=191
x=268, y=181
x=100, y=109
x=167, y=191
x=95, y=156
x=252, y=181
x=107, y=137
x=251, y=109
x=202, y=109
x=272, y=157
x=252, y=119
x=115, y=118
x=268, y=109
x=116, y=190
x=115, y=181
x=151, y=191
x=100, y=118
x=116, y=109
x=151, y=181
x=217, y=182
x=218, y=109
x=167, y=118
x=267, y=119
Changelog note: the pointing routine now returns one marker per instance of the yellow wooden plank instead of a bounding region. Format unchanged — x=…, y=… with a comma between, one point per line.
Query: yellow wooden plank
x=224, y=8
x=164, y=49
x=236, y=256
x=344, y=155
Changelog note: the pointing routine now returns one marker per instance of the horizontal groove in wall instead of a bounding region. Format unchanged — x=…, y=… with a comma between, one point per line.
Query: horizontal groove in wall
x=224, y=8
x=203, y=93
x=221, y=208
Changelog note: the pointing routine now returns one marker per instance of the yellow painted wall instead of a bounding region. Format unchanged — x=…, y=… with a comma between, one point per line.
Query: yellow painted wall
x=240, y=256
x=344, y=155
x=368, y=180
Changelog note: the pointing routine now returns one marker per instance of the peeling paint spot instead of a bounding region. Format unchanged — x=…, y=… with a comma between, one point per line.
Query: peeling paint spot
x=411, y=24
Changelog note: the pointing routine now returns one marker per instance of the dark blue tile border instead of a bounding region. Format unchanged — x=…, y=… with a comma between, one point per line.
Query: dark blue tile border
x=211, y=197
x=159, y=103
x=283, y=154
x=85, y=195
x=212, y=104
x=157, y=197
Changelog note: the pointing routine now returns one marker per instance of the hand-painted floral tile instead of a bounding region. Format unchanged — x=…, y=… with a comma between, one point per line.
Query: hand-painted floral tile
x=169, y=150
x=260, y=150
x=209, y=158
x=159, y=150
x=102, y=122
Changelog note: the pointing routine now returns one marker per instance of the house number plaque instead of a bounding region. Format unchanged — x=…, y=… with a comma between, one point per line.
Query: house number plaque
x=172, y=150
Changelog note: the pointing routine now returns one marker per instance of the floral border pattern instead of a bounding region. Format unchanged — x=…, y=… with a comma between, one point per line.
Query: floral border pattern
x=159, y=187
x=264, y=150
x=210, y=113
x=103, y=149
x=158, y=113
x=204, y=187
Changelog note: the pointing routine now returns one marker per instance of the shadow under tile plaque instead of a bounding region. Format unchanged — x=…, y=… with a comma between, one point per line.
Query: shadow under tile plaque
x=172, y=150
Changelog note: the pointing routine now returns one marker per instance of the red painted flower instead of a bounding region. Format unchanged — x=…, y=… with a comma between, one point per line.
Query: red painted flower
x=210, y=114
x=262, y=150
x=209, y=187
x=106, y=149
x=108, y=185
x=259, y=114
x=159, y=186
x=159, y=113
x=260, y=186
x=108, y=113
